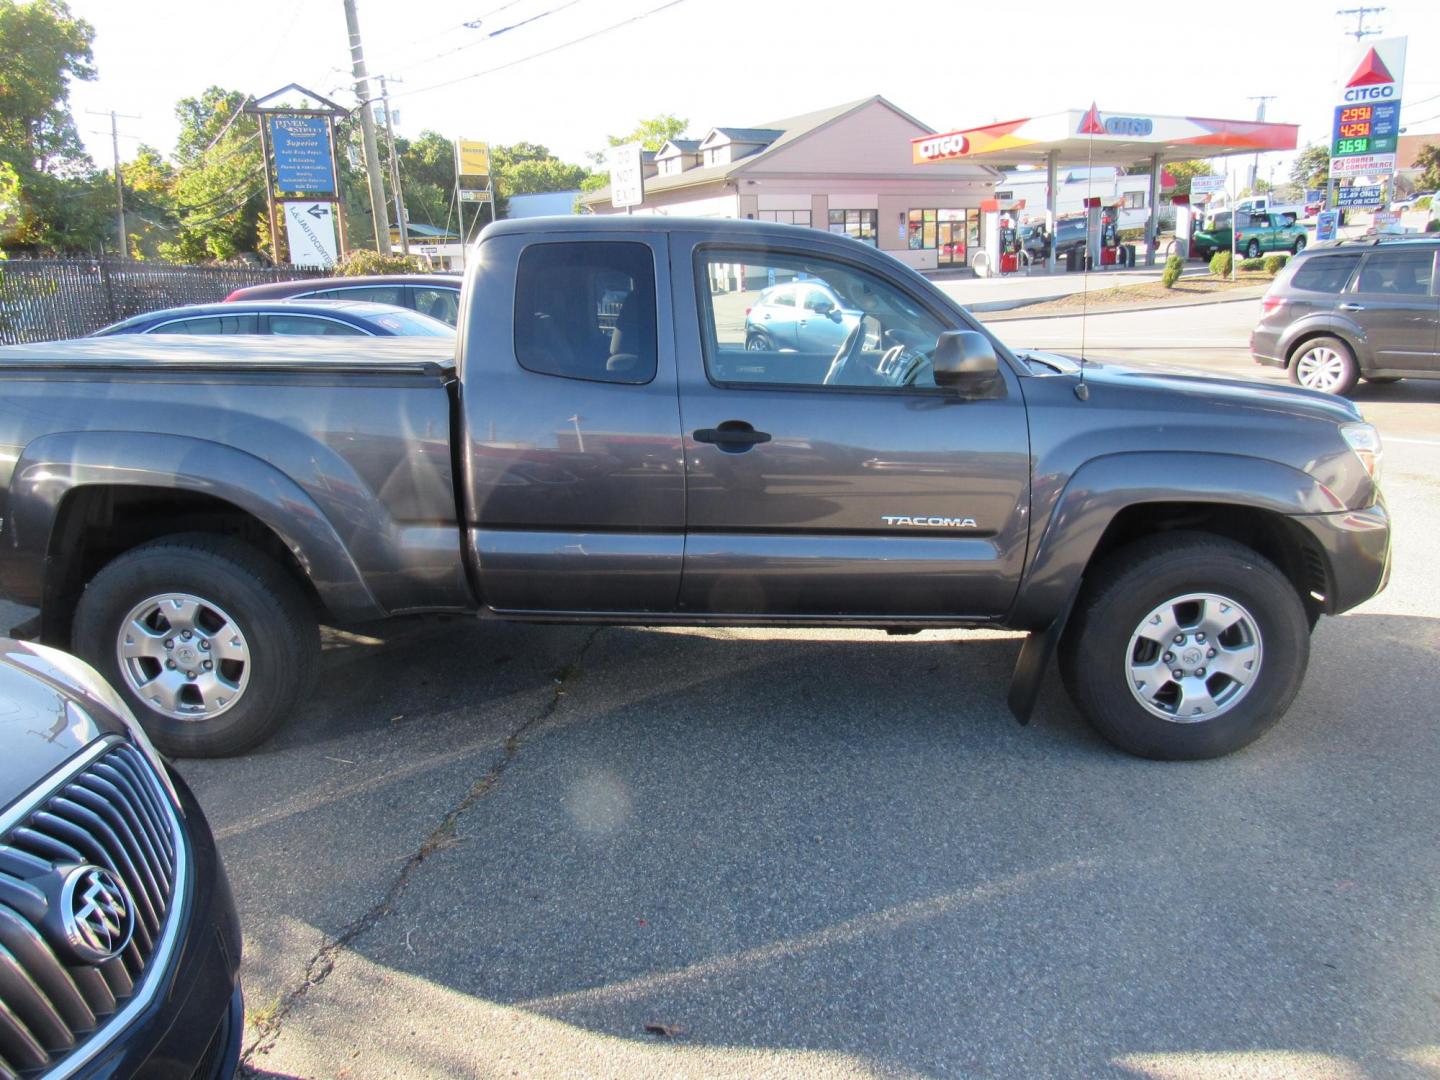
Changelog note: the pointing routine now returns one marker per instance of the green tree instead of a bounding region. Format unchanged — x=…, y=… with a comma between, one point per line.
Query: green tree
x=1428, y=160
x=1312, y=167
x=218, y=195
x=1184, y=172
x=44, y=48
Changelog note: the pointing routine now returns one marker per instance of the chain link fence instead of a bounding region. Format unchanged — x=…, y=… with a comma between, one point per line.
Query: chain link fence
x=45, y=299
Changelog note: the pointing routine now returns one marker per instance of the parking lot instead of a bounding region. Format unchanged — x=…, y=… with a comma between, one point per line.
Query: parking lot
x=491, y=850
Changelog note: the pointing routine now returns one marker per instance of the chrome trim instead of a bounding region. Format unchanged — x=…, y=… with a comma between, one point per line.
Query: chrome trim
x=288, y=314
x=157, y=966
x=58, y=778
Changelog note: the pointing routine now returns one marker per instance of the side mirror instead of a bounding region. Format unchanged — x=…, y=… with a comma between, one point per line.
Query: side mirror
x=965, y=360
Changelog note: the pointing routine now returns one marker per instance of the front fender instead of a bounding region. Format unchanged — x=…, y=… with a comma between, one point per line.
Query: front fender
x=54, y=465
x=1104, y=486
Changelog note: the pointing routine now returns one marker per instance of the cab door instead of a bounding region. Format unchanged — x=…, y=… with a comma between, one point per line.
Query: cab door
x=1393, y=300
x=850, y=486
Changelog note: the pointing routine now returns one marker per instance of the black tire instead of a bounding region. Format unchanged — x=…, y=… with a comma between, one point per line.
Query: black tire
x=1299, y=245
x=274, y=617
x=1134, y=581
x=1349, y=369
x=759, y=342
x=1252, y=249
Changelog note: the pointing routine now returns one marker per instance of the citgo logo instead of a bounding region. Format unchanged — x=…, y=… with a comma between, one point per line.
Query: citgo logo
x=1137, y=126
x=1371, y=81
x=944, y=146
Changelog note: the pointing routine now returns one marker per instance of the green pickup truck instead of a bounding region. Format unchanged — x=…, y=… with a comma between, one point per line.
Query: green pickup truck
x=1258, y=233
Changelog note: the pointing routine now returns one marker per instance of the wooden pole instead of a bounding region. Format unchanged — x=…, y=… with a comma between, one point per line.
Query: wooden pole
x=269, y=188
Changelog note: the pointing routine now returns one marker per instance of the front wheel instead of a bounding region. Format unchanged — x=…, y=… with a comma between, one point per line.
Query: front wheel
x=1185, y=646
x=1325, y=363
x=758, y=342
x=1299, y=245
x=209, y=641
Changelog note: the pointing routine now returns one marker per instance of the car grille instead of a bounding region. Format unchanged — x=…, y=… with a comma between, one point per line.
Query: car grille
x=111, y=812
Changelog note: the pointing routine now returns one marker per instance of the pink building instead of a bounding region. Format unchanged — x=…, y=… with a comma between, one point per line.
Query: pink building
x=847, y=169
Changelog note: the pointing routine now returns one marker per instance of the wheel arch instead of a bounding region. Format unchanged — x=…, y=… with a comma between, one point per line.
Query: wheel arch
x=80, y=499
x=1114, y=500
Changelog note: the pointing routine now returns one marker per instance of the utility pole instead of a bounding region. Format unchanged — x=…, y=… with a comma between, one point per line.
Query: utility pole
x=1359, y=14
x=395, y=168
x=367, y=127
x=122, y=244
x=1259, y=118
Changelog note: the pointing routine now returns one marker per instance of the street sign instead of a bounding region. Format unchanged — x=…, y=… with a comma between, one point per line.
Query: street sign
x=1352, y=198
x=310, y=234
x=627, y=176
x=1367, y=115
x=1363, y=165
x=475, y=196
x=1326, y=222
x=1206, y=185
x=302, y=154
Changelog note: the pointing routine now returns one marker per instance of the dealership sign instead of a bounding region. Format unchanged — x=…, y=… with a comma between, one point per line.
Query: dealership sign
x=1367, y=114
x=302, y=154
x=310, y=234
x=1206, y=185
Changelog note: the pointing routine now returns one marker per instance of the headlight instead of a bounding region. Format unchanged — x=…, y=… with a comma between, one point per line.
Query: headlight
x=1364, y=440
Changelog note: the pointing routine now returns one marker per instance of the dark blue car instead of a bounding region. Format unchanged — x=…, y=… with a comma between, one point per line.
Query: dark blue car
x=324, y=318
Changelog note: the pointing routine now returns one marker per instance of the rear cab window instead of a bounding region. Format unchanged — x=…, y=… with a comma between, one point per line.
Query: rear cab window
x=587, y=310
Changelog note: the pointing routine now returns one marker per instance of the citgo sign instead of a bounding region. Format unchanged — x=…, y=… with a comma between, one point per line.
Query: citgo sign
x=941, y=146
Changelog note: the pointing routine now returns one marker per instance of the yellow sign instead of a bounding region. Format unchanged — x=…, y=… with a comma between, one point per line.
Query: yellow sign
x=472, y=158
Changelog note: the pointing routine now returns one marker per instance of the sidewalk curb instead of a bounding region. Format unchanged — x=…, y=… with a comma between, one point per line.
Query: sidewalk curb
x=1019, y=313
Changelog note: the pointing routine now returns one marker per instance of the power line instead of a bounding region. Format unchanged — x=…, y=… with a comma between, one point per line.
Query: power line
x=492, y=34
x=1360, y=12
x=544, y=52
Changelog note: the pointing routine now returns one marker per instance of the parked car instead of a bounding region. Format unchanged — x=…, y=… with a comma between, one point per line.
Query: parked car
x=314, y=318
x=1355, y=309
x=804, y=316
x=118, y=933
x=1175, y=537
x=1069, y=233
x=1259, y=233
x=436, y=295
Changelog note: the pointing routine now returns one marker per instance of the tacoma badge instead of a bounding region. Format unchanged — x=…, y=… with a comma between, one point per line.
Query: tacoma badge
x=929, y=522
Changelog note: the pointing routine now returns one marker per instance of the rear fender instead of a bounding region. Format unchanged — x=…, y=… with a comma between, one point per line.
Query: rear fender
x=53, y=466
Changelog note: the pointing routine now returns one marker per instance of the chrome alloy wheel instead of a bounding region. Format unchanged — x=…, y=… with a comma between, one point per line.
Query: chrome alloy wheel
x=182, y=655
x=1194, y=658
x=1320, y=368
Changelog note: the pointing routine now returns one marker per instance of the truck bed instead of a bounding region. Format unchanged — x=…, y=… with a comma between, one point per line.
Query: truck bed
x=174, y=353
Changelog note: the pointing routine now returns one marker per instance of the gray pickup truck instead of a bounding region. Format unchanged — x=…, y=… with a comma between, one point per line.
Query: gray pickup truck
x=604, y=447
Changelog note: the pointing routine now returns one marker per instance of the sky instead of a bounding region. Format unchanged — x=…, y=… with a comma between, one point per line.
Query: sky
x=514, y=75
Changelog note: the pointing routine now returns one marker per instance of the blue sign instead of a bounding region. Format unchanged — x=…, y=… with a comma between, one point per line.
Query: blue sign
x=302, y=154
x=1326, y=222
x=1352, y=198
x=1135, y=126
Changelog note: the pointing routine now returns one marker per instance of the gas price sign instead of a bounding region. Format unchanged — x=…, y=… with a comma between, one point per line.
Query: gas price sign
x=1365, y=129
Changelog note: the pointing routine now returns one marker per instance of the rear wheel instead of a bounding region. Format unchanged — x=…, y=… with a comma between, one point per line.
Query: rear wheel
x=1185, y=646
x=758, y=342
x=1324, y=363
x=210, y=642
x=1252, y=249
x=1299, y=245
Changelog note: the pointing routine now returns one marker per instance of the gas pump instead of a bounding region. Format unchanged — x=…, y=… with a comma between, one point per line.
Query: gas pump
x=1102, y=240
x=1184, y=225
x=1001, y=221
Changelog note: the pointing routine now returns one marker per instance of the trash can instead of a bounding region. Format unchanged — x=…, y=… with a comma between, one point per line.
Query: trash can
x=1072, y=259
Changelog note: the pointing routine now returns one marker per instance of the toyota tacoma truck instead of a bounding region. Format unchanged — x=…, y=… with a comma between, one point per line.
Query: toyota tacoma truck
x=602, y=447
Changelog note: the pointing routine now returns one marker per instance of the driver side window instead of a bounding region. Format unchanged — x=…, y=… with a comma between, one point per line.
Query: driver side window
x=853, y=329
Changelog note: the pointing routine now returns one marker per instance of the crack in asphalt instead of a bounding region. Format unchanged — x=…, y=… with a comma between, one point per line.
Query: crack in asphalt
x=322, y=962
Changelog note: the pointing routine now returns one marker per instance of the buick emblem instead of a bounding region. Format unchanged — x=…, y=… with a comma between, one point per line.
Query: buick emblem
x=97, y=914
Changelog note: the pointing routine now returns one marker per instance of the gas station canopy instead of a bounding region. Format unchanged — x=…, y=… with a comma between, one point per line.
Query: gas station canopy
x=1104, y=138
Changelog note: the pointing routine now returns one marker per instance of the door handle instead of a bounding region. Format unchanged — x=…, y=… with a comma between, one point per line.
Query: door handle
x=731, y=437
x=1352, y=307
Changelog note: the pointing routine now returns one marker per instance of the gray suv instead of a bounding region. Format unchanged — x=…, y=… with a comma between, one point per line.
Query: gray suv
x=1356, y=309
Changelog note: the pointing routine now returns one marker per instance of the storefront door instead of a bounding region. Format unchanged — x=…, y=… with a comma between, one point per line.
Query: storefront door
x=950, y=244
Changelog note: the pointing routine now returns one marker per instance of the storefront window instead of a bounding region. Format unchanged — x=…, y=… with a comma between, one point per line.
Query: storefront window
x=785, y=217
x=861, y=224
x=949, y=233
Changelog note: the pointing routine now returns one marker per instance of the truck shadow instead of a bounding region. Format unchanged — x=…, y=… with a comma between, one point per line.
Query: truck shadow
x=835, y=852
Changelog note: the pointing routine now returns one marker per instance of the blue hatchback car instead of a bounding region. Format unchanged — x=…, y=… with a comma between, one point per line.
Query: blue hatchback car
x=806, y=316
x=310, y=318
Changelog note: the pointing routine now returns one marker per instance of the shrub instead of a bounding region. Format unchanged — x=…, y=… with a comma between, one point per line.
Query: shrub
x=1422, y=203
x=1252, y=264
x=1220, y=264
x=362, y=262
x=1174, y=267
x=1275, y=263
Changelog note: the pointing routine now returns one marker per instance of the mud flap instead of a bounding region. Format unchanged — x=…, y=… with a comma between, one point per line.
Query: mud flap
x=1034, y=658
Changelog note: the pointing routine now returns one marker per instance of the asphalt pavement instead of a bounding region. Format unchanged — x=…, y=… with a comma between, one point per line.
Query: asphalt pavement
x=489, y=850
